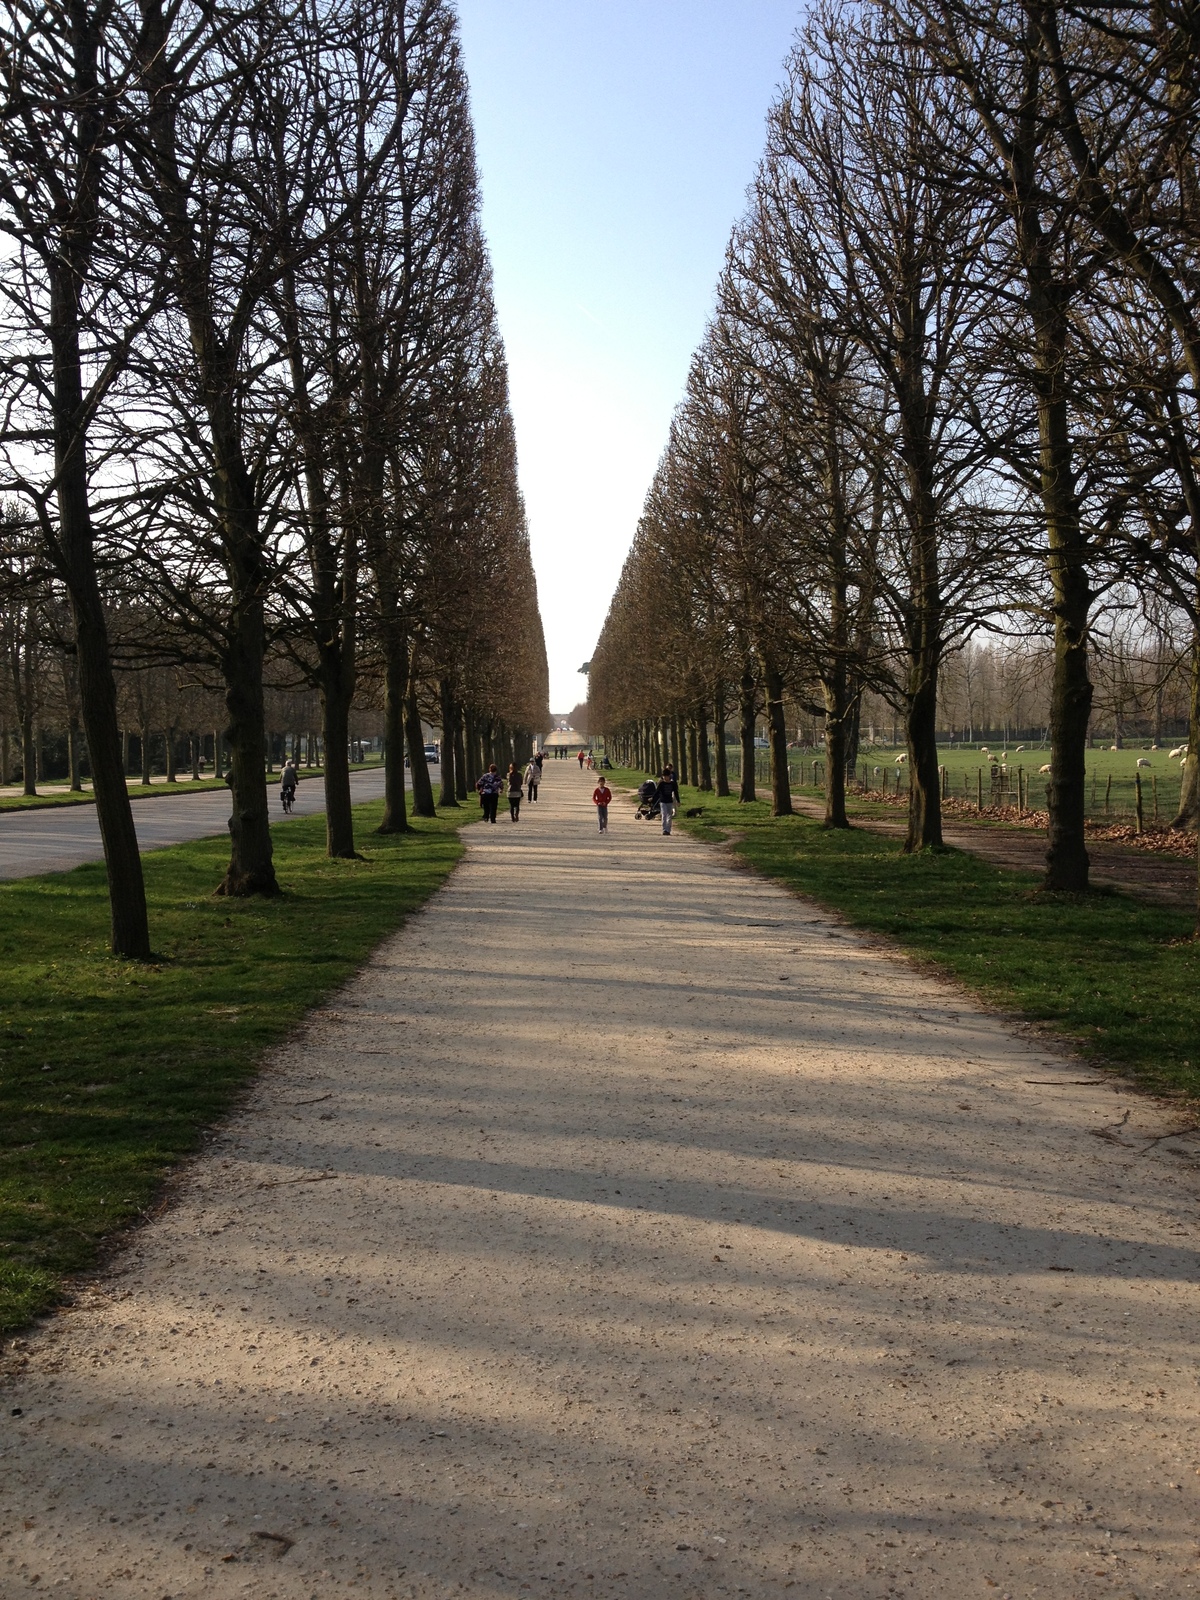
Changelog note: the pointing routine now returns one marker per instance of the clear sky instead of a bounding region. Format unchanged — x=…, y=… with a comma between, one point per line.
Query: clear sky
x=616, y=140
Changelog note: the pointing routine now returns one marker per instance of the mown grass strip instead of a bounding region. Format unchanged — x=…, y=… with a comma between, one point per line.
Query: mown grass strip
x=1118, y=977
x=111, y=1071
x=51, y=796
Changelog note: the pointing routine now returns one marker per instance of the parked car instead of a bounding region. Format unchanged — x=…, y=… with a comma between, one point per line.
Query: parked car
x=432, y=754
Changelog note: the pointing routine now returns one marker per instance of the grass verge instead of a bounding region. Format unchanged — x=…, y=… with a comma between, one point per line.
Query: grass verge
x=140, y=791
x=111, y=1071
x=1117, y=977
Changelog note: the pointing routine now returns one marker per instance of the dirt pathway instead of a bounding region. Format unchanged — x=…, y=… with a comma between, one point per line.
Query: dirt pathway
x=630, y=1229
x=1167, y=880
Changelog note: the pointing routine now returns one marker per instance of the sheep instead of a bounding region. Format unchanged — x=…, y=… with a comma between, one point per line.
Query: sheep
x=1179, y=750
x=1043, y=770
x=900, y=760
x=1020, y=747
x=1114, y=747
x=1142, y=762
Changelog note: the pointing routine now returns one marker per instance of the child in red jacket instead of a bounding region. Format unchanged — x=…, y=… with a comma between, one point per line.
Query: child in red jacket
x=601, y=795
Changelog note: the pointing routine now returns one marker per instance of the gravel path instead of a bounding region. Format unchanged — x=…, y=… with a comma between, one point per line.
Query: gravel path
x=57, y=838
x=629, y=1228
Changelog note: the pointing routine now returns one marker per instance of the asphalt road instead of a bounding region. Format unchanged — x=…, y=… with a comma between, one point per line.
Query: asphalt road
x=62, y=837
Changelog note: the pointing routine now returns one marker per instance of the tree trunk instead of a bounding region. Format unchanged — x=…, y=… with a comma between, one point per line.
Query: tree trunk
x=144, y=741
x=852, y=721
x=746, y=728
x=461, y=784
x=395, y=814
x=719, y=743
x=170, y=754
x=704, y=775
x=216, y=753
x=781, y=787
x=335, y=731
x=924, y=778
x=1067, y=860
x=449, y=795
x=29, y=753
x=422, y=796
x=836, y=759
x=73, y=755
x=924, y=659
x=194, y=755
x=1188, y=815
x=251, y=867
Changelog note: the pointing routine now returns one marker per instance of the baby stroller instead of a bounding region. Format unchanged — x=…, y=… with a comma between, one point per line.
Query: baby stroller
x=648, y=806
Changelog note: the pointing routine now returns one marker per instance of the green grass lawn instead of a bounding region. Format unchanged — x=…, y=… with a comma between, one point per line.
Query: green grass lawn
x=1116, y=976
x=110, y=1071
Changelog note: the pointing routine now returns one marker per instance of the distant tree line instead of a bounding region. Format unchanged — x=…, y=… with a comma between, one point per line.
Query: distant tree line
x=255, y=421
x=951, y=386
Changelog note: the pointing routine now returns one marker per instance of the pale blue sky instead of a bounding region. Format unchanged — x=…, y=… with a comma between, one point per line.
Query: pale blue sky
x=616, y=141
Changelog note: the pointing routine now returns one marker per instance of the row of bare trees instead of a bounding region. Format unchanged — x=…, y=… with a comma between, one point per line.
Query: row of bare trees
x=253, y=388
x=952, y=384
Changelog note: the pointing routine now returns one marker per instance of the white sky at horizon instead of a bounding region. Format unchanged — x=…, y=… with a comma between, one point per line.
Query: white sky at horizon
x=615, y=142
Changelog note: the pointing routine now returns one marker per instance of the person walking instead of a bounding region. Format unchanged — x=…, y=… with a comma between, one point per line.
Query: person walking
x=667, y=795
x=582, y=759
x=489, y=787
x=601, y=796
x=515, y=790
x=533, y=776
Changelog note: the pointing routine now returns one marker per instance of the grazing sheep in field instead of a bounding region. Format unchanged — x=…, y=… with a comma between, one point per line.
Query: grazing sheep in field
x=1114, y=747
x=1020, y=747
x=1142, y=762
x=900, y=760
x=1044, y=769
x=1179, y=750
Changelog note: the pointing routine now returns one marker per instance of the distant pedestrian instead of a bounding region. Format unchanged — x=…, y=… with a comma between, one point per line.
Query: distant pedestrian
x=601, y=797
x=667, y=795
x=582, y=759
x=489, y=787
x=533, y=776
x=515, y=791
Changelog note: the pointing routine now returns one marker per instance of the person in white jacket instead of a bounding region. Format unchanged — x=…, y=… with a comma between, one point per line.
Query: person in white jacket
x=533, y=776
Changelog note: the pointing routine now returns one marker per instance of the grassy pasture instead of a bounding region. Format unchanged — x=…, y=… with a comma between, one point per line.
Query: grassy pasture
x=1111, y=774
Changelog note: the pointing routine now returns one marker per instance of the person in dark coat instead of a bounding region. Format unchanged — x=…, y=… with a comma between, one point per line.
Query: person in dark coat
x=667, y=795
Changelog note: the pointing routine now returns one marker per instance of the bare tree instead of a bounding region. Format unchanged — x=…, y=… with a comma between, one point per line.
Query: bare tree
x=68, y=330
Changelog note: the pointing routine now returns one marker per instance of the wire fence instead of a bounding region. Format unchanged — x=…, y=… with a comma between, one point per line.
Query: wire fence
x=1111, y=795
